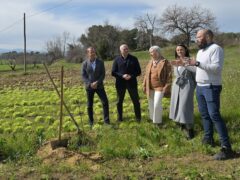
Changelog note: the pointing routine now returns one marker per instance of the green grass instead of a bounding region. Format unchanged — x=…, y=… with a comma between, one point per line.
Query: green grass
x=142, y=55
x=30, y=116
x=167, y=52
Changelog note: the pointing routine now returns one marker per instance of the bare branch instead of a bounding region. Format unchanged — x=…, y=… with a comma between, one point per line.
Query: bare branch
x=149, y=24
x=180, y=20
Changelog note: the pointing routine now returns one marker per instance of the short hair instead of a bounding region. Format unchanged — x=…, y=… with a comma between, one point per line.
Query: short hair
x=209, y=33
x=156, y=48
x=186, y=50
x=90, y=48
x=122, y=46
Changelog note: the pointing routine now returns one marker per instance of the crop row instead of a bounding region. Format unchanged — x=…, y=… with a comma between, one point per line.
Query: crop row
x=39, y=109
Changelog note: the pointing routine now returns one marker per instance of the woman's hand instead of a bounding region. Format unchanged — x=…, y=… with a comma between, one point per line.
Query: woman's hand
x=177, y=62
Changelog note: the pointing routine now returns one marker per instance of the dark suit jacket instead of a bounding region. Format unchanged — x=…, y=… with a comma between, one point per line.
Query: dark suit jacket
x=89, y=76
x=128, y=66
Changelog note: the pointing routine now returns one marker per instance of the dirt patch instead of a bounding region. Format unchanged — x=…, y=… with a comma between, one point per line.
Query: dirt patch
x=39, y=78
x=52, y=156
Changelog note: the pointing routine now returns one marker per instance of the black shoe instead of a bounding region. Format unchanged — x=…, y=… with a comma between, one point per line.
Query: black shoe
x=224, y=154
x=209, y=142
x=190, y=134
x=119, y=119
x=91, y=124
x=181, y=126
x=107, y=122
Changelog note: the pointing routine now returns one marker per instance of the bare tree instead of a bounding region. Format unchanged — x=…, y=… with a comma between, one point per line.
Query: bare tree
x=12, y=64
x=187, y=21
x=147, y=24
x=54, y=48
x=11, y=59
x=75, y=53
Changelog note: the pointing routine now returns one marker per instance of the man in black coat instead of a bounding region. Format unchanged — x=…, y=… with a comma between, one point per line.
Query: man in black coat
x=125, y=69
x=93, y=74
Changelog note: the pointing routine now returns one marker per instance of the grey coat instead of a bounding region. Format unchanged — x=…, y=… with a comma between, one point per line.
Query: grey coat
x=181, y=105
x=89, y=75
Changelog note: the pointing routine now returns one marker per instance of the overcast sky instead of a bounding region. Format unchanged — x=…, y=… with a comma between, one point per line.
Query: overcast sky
x=46, y=19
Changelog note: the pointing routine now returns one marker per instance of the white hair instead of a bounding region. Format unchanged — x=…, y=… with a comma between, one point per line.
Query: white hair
x=156, y=48
x=123, y=45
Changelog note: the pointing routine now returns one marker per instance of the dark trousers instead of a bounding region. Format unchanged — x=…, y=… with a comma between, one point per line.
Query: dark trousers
x=103, y=97
x=133, y=92
x=208, y=98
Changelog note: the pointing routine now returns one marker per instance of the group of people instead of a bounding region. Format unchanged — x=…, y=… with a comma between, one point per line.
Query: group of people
x=202, y=73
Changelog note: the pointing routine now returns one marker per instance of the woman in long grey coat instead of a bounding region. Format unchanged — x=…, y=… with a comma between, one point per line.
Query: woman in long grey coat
x=181, y=105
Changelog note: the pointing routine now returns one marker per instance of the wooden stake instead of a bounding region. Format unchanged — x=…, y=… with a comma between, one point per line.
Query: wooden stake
x=64, y=104
x=24, y=34
x=61, y=105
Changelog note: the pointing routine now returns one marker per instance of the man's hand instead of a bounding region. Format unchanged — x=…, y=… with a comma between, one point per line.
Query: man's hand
x=192, y=61
x=126, y=77
x=94, y=85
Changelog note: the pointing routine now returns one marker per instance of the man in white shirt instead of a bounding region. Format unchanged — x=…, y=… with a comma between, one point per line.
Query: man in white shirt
x=209, y=62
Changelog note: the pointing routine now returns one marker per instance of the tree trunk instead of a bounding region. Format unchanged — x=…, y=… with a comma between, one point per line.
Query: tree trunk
x=188, y=39
x=150, y=40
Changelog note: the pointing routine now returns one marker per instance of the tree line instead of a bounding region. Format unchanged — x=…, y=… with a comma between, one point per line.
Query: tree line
x=178, y=23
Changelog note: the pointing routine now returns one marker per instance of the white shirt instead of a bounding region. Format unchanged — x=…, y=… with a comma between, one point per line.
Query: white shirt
x=93, y=64
x=210, y=69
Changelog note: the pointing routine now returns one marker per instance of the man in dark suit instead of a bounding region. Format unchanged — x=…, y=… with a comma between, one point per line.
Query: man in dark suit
x=125, y=69
x=93, y=74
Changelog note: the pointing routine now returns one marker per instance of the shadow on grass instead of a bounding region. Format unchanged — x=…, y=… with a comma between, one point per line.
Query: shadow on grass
x=237, y=155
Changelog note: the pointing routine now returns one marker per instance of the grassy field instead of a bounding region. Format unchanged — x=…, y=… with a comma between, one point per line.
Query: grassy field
x=29, y=117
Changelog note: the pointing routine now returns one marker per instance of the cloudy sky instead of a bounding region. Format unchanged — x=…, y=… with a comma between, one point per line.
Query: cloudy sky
x=47, y=19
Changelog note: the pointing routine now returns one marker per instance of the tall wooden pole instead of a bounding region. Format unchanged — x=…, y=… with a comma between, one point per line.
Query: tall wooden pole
x=64, y=104
x=24, y=32
x=61, y=106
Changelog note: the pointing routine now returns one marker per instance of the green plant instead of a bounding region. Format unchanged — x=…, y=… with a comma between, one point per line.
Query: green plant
x=17, y=145
x=144, y=153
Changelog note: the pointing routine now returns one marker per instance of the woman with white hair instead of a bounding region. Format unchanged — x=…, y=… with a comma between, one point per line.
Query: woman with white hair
x=157, y=83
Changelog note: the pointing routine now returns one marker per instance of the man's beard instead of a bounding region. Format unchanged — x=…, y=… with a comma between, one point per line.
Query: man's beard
x=203, y=45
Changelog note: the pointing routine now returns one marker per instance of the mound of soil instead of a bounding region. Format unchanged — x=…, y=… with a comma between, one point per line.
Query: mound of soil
x=52, y=156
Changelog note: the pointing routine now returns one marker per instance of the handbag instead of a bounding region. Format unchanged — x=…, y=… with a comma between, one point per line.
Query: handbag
x=182, y=79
